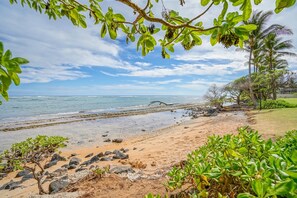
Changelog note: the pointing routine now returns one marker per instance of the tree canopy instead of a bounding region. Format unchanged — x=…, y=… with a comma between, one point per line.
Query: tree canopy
x=145, y=21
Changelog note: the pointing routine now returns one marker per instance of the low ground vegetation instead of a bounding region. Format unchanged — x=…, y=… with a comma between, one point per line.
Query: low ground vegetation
x=275, y=104
x=243, y=166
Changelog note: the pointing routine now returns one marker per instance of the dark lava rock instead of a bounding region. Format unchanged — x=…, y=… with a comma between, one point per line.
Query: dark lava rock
x=120, y=155
x=74, y=161
x=57, y=185
x=94, y=159
x=2, y=175
x=100, y=154
x=50, y=164
x=210, y=112
x=124, y=150
x=134, y=148
x=57, y=157
x=86, y=163
x=65, y=166
x=27, y=177
x=105, y=159
x=89, y=155
x=80, y=169
x=122, y=169
x=104, y=135
x=143, y=130
x=107, y=140
x=72, y=166
x=59, y=172
x=23, y=173
x=117, y=140
x=10, y=185
x=73, y=154
x=107, y=153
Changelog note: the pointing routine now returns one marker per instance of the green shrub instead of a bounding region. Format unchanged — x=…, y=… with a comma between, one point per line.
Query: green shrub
x=30, y=154
x=243, y=166
x=276, y=104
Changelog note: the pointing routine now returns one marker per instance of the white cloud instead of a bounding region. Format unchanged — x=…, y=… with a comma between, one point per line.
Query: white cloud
x=143, y=64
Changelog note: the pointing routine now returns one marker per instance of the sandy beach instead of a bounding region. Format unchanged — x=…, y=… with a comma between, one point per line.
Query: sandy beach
x=151, y=155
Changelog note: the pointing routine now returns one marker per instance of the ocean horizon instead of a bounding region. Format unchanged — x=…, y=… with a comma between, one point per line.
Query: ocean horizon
x=20, y=108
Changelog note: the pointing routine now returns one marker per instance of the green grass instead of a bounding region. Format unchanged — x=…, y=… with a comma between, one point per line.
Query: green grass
x=290, y=100
x=275, y=121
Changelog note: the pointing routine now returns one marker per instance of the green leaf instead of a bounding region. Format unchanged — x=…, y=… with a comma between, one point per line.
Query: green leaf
x=292, y=174
x=1, y=49
x=258, y=187
x=5, y=95
x=294, y=157
x=20, y=60
x=247, y=9
x=112, y=33
x=3, y=72
x=15, y=79
x=119, y=18
x=204, y=2
x=6, y=81
x=249, y=27
x=103, y=30
x=283, y=188
x=245, y=195
x=257, y=2
x=281, y=4
x=6, y=56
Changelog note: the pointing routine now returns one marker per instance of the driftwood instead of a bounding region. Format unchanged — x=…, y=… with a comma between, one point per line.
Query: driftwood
x=160, y=103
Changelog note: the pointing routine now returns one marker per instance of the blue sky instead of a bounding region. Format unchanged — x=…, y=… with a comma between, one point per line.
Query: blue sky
x=67, y=60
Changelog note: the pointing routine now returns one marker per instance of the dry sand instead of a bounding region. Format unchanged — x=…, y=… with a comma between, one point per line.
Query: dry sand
x=158, y=151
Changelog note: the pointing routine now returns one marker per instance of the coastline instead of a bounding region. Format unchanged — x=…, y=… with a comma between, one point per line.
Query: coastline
x=158, y=151
x=90, y=129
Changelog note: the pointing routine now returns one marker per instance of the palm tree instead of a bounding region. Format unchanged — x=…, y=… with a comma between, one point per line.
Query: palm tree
x=274, y=48
x=253, y=44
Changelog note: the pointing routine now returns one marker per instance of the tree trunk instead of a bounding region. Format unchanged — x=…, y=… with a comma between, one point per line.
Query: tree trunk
x=250, y=79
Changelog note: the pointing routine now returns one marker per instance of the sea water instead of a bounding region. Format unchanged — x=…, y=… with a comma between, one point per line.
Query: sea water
x=43, y=107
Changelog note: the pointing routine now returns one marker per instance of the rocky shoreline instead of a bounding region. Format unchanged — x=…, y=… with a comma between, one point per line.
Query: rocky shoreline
x=80, y=117
x=112, y=169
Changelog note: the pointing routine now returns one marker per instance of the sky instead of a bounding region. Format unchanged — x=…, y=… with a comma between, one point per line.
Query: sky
x=67, y=60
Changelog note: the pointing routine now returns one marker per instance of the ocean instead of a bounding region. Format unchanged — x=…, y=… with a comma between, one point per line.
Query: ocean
x=60, y=115
x=43, y=107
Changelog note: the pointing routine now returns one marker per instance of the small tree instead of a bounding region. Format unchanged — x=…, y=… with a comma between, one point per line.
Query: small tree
x=30, y=154
x=215, y=96
x=235, y=89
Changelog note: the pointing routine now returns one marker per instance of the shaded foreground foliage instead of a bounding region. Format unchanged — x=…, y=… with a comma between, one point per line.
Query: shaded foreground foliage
x=243, y=166
x=30, y=154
